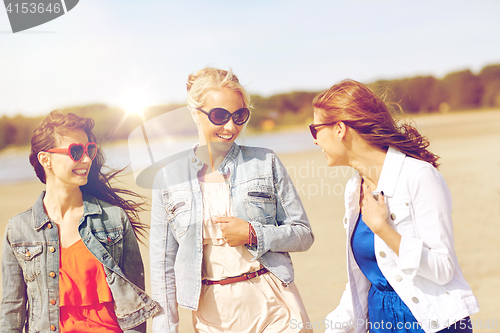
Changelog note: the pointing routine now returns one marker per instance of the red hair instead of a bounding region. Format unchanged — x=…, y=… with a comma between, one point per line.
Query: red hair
x=361, y=109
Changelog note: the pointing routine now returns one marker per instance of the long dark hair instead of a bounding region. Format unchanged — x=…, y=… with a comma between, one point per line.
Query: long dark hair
x=361, y=109
x=98, y=182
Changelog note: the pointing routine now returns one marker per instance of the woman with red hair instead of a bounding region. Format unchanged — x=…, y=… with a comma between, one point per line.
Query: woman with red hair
x=403, y=273
x=71, y=263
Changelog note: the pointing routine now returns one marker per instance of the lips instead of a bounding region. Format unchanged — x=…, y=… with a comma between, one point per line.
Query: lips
x=225, y=136
x=80, y=172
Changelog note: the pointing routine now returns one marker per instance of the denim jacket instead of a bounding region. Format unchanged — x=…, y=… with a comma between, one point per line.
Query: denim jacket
x=261, y=193
x=30, y=267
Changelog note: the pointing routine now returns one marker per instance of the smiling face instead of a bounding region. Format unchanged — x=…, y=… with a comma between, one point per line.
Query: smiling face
x=63, y=171
x=328, y=139
x=223, y=134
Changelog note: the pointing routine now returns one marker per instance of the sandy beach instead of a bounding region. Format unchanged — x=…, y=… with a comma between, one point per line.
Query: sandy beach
x=469, y=146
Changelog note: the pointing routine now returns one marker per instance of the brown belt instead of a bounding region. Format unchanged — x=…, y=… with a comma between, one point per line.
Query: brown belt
x=233, y=279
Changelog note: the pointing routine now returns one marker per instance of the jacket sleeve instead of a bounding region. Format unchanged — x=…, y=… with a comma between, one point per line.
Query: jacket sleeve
x=430, y=253
x=163, y=249
x=293, y=231
x=132, y=264
x=14, y=295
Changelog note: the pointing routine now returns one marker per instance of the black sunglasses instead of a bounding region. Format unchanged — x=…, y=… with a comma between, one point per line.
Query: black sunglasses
x=314, y=131
x=220, y=116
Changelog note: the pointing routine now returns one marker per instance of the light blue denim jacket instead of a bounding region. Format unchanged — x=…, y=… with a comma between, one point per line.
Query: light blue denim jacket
x=31, y=254
x=262, y=193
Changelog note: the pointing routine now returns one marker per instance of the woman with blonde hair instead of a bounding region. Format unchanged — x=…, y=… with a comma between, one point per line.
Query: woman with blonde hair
x=223, y=221
x=71, y=263
x=403, y=273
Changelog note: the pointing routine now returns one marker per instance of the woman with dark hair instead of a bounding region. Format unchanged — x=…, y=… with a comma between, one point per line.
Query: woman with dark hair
x=71, y=263
x=403, y=273
x=223, y=221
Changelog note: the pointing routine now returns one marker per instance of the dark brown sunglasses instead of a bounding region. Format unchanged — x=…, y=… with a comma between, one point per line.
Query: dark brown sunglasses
x=314, y=131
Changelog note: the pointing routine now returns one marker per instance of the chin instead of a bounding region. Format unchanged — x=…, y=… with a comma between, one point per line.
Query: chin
x=221, y=146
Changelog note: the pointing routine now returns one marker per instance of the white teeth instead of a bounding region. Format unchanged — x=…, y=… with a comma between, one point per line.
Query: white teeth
x=225, y=137
x=80, y=172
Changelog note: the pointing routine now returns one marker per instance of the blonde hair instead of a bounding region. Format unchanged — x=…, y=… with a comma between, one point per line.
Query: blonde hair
x=210, y=78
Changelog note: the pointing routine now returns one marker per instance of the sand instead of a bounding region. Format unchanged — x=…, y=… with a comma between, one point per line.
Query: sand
x=469, y=146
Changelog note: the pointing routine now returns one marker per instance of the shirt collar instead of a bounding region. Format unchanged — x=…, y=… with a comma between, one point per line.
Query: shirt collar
x=223, y=167
x=90, y=207
x=393, y=163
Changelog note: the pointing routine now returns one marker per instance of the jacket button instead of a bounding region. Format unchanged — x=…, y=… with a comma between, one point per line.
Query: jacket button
x=414, y=300
x=382, y=254
x=393, y=216
x=398, y=278
x=52, y=328
x=193, y=160
x=407, y=203
x=434, y=324
x=199, y=164
x=28, y=253
x=53, y=302
x=52, y=249
x=52, y=274
x=49, y=225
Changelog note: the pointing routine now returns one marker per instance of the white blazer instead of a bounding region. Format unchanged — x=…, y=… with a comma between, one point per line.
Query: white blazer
x=426, y=275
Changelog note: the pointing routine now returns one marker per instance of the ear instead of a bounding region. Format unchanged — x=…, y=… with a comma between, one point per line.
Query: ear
x=44, y=160
x=340, y=130
x=194, y=114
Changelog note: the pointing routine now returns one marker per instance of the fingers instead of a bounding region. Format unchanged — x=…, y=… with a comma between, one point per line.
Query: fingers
x=221, y=219
x=381, y=197
x=368, y=194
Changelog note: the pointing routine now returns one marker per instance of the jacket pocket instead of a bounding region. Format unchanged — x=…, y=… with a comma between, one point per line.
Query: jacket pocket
x=28, y=257
x=400, y=217
x=179, y=214
x=260, y=204
x=109, y=237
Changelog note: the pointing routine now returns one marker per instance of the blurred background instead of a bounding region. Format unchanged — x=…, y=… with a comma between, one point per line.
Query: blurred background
x=125, y=62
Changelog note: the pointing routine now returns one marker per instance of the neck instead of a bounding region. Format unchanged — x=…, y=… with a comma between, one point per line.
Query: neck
x=58, y=201
x=212, y=154
x=368, y=161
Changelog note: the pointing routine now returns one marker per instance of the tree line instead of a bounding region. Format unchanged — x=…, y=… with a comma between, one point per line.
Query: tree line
x=421, y=94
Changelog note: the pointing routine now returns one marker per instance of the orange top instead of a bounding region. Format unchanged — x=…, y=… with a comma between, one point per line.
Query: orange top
x=86, y=302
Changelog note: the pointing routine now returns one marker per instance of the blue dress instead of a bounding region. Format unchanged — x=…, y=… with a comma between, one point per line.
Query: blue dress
x=386, y=310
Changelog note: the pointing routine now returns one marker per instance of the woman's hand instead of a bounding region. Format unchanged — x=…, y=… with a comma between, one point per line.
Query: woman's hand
x=234, y=230
x=374, y=212
x=375, y=215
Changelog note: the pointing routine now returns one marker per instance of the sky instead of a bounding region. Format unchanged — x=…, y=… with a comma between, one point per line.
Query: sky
x=132, y=54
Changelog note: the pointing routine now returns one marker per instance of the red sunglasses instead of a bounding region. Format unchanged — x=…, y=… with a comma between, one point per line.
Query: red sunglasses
x=76, y=150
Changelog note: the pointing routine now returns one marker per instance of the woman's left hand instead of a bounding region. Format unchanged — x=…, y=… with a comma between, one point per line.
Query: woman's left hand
x=234, y=230
x=374, y=212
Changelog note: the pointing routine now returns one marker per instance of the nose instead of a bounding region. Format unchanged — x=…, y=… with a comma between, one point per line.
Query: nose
x=230, y=126
x=85, y=158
